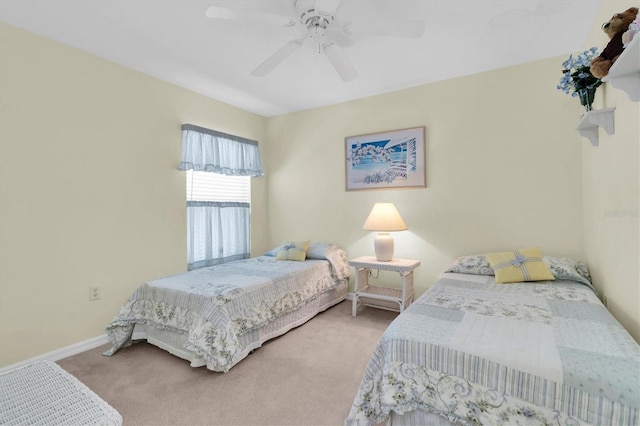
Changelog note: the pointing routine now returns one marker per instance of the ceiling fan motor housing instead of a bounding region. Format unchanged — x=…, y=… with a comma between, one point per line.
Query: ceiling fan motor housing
x=311, y=17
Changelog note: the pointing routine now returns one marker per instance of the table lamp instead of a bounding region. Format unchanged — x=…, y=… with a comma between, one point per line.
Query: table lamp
x=384, y=218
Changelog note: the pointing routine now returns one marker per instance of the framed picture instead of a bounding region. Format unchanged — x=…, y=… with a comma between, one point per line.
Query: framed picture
x=387, y=160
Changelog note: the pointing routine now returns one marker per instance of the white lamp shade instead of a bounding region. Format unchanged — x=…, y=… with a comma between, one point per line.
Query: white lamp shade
x=385, y=218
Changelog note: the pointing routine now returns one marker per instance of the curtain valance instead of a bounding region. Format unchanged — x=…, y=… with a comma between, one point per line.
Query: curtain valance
x=212, y=151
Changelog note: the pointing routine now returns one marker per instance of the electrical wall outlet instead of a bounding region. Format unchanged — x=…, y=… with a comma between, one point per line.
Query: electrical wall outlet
x=94, y=292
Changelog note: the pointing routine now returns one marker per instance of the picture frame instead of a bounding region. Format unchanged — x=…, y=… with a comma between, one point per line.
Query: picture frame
x=393, y=159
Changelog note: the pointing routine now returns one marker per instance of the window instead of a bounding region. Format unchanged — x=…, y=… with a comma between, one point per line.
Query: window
x=218, y=218
x=219, y=167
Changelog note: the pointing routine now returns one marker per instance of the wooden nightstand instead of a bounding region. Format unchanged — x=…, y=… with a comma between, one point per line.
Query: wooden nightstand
x=379, y=296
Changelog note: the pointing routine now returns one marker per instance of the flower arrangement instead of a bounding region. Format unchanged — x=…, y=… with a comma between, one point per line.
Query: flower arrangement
x=577, y=79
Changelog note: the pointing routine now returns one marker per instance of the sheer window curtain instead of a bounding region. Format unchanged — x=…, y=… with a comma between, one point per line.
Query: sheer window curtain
x=218, y=231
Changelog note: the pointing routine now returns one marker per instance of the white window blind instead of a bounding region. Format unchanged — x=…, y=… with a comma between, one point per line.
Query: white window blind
x=203, y=186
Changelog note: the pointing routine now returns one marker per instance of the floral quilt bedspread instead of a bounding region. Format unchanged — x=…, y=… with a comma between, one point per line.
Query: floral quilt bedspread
x=216, y=305
x=476, y=352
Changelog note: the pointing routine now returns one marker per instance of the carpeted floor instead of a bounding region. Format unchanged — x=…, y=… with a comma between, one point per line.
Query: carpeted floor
x=309, y=376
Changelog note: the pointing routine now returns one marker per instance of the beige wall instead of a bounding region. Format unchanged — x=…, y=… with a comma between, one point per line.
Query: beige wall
x=90, y=194
x=503, y=169
x=611, y=188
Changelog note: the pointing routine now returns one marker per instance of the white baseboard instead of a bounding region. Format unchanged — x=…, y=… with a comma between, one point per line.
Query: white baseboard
x=61, y=353
x=349, y=296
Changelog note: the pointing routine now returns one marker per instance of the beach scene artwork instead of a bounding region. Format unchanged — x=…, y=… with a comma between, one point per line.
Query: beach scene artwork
x=393, y=159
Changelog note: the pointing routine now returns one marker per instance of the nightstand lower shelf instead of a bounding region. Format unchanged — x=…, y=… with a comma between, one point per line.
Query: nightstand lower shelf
x=384, y=297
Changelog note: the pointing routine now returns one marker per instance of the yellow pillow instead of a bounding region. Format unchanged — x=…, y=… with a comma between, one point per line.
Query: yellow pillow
x=519, y=265
x=294, y=251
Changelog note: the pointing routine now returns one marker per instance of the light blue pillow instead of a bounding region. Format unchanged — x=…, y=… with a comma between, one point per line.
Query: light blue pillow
x=319, y=250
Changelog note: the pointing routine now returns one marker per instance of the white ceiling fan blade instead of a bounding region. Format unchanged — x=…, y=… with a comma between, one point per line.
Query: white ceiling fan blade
x=409, y=28
x=340, y=62
x=274, y=60
x=245, y=15
x=329, y=6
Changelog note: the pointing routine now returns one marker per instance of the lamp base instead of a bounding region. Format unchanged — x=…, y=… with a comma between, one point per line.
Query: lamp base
x=383, y=246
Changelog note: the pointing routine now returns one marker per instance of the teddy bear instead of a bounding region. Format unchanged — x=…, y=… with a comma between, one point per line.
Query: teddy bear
x=614, y=28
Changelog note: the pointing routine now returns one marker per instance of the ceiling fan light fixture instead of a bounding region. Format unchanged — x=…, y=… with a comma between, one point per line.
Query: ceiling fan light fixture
x=318, y=37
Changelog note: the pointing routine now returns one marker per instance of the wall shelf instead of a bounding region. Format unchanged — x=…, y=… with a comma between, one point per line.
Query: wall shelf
x=624, y=74
x=591, y=120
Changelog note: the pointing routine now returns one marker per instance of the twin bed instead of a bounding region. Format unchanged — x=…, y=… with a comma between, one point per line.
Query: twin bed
x=472, y=351
x=215, y=316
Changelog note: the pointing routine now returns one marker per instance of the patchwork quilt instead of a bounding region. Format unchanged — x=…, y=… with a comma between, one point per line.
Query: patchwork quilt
x=216, y=305
x=477, y=352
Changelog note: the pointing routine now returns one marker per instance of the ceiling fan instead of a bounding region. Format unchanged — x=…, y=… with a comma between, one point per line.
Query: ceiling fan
x=323, y=29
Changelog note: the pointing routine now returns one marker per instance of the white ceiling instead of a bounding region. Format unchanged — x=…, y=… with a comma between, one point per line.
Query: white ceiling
x=174, y=41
